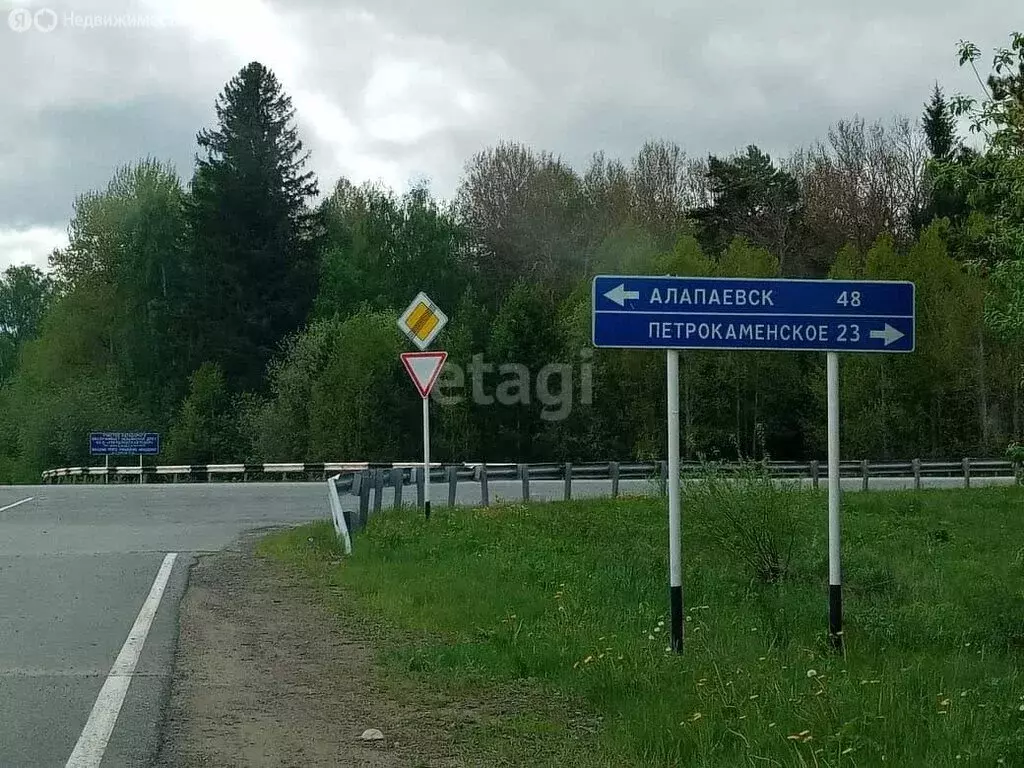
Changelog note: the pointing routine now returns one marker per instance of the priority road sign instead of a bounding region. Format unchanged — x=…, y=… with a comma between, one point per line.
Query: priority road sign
x=422, y=321
x=647, y=312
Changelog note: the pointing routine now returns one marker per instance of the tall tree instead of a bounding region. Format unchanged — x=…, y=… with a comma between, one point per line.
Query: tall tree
x=524, y=339
x=204, y=430
x=252, y=267
x=662, y=191
x=939, y=126
x=993, y=181
x=523, y=209
x=126, y=244
x=944, y=199
x=459, y=419
x=25, y=294
x=753, y=198
x=381, y=249
x=866, y=181
x=361, y=402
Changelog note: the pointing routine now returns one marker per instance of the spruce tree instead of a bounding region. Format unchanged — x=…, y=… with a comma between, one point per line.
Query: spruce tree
x=253, y=264
x=939, y=126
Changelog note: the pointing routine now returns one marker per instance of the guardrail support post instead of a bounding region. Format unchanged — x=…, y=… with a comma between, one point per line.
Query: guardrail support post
x=398, y=480
x=815, y=472
x=420, y=489
x=568, y=481
x=967, y=472
x=378, y=489
x=524, y=475
x=613, y=472
x=485, y=496
x=453, y=484
x=916, y=464
x=364, y=500
x=864, y=472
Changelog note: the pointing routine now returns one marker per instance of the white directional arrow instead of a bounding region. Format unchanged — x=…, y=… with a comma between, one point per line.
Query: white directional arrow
x=889, y=334
x=619, y=294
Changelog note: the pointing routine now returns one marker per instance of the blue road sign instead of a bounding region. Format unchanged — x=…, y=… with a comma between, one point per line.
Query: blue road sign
x=647, y=312
x=124, y=443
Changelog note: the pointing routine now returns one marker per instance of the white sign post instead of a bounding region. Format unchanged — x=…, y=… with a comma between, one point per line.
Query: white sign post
x=424, y=368
x=728, y=313
x=421, y=322
x=835, y=577
x=675, y=527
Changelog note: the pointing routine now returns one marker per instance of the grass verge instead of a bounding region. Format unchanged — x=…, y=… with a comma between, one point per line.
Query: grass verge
x=568, y=601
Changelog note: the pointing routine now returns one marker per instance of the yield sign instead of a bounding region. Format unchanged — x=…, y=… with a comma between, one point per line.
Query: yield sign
x=423, y=368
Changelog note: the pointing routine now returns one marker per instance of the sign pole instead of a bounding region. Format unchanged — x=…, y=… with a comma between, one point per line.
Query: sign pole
x=835, y=580
x=421, y=322
x=426, y=456
x=740, y=313
x=424, y=368
x=675, y=544
x=106, y=466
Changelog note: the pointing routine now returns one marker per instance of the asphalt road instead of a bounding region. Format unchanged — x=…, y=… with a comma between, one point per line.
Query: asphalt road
x=77, y=563
x=76, y=566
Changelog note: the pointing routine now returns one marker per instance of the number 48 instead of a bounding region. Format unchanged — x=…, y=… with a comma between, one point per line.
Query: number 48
x=852, y=299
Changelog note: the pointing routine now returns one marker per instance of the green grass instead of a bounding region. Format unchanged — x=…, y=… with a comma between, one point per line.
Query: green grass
x=572, y=598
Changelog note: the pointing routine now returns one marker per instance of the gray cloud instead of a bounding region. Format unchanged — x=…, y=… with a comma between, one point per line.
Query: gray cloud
x=86, y=101
x=73, y=149
x=400, y=89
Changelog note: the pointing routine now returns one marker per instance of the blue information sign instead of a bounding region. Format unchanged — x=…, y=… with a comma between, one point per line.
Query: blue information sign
x=646, y=312
x=124, y=443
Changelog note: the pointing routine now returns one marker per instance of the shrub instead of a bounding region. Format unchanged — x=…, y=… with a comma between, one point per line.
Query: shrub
x=750, y=513
x=1015, y=453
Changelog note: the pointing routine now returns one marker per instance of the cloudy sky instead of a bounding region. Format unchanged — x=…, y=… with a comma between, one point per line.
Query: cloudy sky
x=400, y=90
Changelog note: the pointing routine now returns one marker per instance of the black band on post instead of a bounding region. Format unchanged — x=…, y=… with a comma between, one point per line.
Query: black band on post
x=835, y=615
x=676, y=601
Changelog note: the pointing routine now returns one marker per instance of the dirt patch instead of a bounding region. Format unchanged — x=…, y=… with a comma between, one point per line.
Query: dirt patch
x=266, y=676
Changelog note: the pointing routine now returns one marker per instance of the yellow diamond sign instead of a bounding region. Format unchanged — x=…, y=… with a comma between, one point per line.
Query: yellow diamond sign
x=422, y=321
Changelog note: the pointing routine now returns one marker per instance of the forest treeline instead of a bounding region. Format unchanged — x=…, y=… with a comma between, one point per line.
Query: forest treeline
x=248, y=317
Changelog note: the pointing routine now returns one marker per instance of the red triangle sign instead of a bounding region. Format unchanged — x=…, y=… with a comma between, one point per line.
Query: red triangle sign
x=423, y=368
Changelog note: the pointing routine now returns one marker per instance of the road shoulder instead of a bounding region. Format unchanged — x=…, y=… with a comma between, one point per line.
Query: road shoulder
x=265, y=676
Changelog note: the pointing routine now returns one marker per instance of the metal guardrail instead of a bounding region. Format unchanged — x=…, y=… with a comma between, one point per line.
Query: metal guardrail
x=370, y=484
x=814, y=471
x=209, y=472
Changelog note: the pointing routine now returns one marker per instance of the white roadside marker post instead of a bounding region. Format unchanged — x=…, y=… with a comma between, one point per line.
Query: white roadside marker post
x=675, y=536
x=835, y=576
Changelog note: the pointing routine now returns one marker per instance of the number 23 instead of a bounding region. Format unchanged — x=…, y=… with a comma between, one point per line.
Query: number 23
x=853, y=330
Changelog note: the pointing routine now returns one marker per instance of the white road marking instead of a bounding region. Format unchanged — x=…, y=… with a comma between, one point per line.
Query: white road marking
x=17, y=504
x=92, y=743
